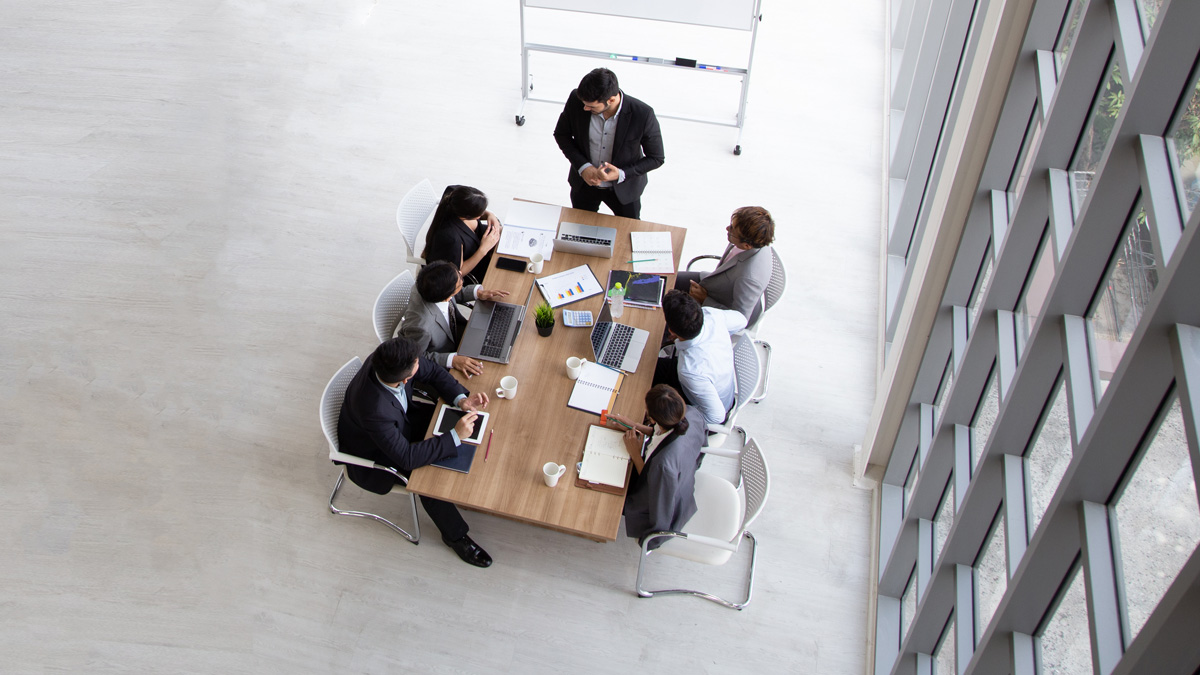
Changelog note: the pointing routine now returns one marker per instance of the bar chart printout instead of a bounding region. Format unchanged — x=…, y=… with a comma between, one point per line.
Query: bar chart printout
x=569, y=286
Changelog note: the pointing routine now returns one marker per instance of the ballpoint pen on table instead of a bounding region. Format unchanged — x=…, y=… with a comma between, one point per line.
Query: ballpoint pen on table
x=488, y=449
x=638, y=261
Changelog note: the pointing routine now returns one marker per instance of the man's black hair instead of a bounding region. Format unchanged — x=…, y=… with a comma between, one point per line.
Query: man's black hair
x=394, y=359
x=684, y=316
x=437, y=281
x=598, y=86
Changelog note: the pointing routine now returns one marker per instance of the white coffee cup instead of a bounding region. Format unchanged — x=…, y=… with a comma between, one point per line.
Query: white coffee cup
x=574, y=367
x=508, y=387
x=551, y=472
x=535, y=263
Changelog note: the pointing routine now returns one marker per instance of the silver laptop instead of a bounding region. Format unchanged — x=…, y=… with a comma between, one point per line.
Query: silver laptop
x=586, y=239
x=492, y=329
x=617, y=345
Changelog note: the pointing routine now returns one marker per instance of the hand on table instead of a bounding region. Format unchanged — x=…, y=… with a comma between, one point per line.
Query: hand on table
x=698, y=292
x=482, y=294
x=474, y=402
x=466, y=365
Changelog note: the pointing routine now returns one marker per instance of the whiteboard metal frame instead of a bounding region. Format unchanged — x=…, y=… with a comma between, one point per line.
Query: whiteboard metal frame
x=744, y=73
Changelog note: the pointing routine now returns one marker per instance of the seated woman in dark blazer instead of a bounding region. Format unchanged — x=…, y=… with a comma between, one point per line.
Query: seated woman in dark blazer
x=665, y=458
x=463, y=232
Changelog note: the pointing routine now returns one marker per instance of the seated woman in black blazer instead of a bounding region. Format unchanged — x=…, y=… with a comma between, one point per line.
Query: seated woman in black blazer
x=463, y=232
x=665, y=456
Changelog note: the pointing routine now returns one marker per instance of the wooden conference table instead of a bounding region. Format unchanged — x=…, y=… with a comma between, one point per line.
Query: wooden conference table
x=536, y=426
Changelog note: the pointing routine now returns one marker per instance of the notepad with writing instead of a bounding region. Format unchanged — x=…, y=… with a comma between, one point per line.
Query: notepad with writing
x=596, y=389
x=655, y=249
x=605, y=460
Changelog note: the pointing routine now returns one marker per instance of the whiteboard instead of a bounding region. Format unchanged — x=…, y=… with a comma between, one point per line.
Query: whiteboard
x=734, y=14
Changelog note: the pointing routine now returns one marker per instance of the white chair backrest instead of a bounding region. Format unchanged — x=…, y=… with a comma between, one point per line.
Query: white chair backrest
x=414, y=210
x=756, y=481
x=391, y=303
x=745, y=372
x=778, y=283
x=331, y=402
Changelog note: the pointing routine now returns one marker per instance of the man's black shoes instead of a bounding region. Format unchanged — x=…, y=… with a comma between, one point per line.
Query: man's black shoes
x=469, y=551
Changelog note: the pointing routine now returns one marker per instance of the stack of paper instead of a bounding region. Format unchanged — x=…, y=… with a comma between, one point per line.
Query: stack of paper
x=605, y=459
x=529, y=228
x=654, y=252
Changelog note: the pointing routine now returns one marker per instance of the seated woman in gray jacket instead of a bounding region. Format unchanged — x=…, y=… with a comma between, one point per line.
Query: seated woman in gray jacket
x=744, y=270
x=665, y=458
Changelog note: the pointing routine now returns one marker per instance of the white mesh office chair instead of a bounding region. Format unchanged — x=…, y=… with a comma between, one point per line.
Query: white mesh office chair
x=391, y=303
x=716, y=531
x=331, y=408
x=414, y=210
x=746, y=369
x=774, y=291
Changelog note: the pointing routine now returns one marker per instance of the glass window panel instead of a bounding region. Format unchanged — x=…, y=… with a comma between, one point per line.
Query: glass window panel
x=943, y=396
x=991, y=578
x=1048, y=459
x=1025, y=166
x=910, y=482
x=944, y=519
x=1066, y=36
x=985, y=417
x=1124, y=294
x=1105, y=109
x=981, y=286
x=908, y=605
x=1184, y=147
x=1157, y=520
x=1034, y=295
x=1148, y=14
x=943, y=658
x=1065, y=646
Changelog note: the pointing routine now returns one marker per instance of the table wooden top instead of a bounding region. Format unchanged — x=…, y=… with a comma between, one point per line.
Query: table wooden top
x=537, y=426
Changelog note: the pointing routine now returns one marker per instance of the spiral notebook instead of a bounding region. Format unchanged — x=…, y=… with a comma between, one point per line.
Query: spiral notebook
x=653, y=251
x=596, y=389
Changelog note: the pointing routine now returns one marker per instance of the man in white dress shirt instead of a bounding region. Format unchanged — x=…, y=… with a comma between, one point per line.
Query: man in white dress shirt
x=701, y=367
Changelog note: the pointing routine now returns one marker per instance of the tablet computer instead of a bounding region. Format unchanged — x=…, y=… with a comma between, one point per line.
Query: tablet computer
x=448, y=416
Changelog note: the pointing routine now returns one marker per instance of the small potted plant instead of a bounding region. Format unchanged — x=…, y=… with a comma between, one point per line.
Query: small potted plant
x=543, y=317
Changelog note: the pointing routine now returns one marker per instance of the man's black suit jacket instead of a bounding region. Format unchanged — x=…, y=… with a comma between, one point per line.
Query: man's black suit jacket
x=637, y=148
x=373, y=426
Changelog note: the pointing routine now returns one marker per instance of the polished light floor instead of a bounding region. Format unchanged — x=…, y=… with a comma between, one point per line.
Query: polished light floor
x=197, y=204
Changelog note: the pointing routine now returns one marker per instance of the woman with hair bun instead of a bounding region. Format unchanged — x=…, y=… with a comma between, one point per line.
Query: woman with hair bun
x=463, y=232
x=665, y=457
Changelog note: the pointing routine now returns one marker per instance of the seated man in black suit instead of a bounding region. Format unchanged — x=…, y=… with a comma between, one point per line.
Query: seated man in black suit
x=381, y=422
x=612, y=141
x=432, y=317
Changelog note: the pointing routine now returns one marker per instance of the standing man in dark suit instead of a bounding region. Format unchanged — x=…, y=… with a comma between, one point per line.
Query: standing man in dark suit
x=381, y=422
x=612, y=140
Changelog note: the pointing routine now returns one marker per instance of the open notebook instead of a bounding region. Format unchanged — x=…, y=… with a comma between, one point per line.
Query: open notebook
x=596, y=389
x=605, y=460
x=655, y=249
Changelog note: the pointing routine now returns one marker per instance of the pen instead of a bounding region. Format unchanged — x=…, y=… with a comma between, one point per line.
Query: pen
x=646, y=260
x=488, y=449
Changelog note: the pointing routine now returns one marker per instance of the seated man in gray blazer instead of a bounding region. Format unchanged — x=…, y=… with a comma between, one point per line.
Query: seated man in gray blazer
x=744, y=271
x=666, y=455
x=432, y=318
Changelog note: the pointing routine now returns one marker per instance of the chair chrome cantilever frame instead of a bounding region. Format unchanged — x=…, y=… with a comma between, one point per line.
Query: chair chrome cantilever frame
x=715, y=548
x=331, y=408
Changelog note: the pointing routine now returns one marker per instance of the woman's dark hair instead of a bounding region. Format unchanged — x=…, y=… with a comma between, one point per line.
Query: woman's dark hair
x=458, y=201
x=666, y=407
x=754, y=225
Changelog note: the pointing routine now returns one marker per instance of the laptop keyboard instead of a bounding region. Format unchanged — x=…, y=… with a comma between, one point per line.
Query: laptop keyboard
x=585, y=240
x=614, y=353
x=493, y=342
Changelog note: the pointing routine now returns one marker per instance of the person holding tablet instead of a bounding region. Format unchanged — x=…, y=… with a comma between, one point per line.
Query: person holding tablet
x=463, y=232
x=381, y=422
x=665, y=457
